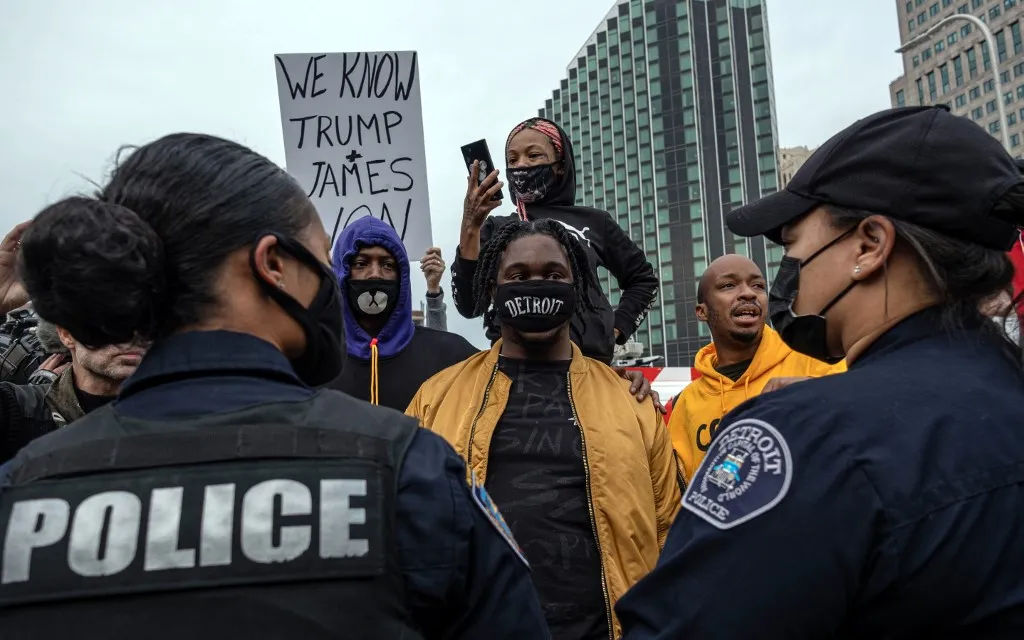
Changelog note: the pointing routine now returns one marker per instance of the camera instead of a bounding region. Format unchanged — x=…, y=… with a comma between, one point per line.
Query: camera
x=20, y=350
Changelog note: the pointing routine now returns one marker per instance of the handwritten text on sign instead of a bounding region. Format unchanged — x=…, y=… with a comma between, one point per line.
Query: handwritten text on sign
x=353, y=135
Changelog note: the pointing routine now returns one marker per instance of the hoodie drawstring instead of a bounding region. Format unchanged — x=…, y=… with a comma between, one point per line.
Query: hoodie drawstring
x=521, y=210
x=721, y=391
x=374, y=385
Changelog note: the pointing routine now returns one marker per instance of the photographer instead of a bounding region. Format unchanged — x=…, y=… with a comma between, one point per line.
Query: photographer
x=93, y=378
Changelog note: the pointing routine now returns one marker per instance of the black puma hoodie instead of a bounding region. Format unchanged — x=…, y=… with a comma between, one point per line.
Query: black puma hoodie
x=607, y=245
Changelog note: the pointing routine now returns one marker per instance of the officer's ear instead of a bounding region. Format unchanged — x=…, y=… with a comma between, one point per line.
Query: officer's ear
x=875, y=237
x=267, y=261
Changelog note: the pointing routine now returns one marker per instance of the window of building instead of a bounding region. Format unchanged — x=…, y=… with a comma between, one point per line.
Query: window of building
x=1015, y=140
x=1011, y=119
x=910, y=7
x=978, y=113
x=952, y=38
x=1022, y=114
x=994, y=12
x=922, y=18
x=1009, y=4
x=962, y=9
x=1020, y=91
x=944, y=76
x=932, y=93
x=1004, y=77
x=926, y=54
x=986, y=61
x=900, y=100
x=939, y=46
x=991, y=106
x=946, y=3
x=1018, y=45
x=972, y=63
x=965, y=30
x=993, y=127
x=961, y=100
x=958, y=71
x=1001, y=44
x=977, y=3
x=934, y=9
x=989, y=85
x=920, y=91
x=917, y=61
x=1008, y=97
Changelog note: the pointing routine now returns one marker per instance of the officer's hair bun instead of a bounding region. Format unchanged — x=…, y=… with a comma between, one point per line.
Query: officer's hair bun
x=96, y=269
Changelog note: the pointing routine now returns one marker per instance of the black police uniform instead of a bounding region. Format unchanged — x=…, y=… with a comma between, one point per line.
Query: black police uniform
x=219, y=497
x=887, y=501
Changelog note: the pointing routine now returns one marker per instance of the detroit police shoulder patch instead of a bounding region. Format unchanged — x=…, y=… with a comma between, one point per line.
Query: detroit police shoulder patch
x=483, y=500
x=746, y=472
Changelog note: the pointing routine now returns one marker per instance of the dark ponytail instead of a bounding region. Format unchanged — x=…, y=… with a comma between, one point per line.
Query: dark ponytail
x=142, y=258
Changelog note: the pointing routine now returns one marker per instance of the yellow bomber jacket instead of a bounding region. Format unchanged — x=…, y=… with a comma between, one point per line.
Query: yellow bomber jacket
x=632, y=472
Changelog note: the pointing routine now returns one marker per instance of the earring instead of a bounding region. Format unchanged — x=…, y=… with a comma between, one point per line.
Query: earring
x=280, y=284
x=856, y=270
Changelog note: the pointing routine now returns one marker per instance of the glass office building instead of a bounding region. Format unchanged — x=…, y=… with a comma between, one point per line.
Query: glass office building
x=671, y=110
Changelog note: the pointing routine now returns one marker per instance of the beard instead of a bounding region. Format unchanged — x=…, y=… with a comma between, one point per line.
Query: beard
x=742, y=336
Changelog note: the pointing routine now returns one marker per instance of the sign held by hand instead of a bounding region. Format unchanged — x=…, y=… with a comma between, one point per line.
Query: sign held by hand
x=353, y=136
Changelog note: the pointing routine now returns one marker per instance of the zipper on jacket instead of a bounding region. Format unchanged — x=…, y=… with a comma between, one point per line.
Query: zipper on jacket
x=472, y=428
x=590, y=507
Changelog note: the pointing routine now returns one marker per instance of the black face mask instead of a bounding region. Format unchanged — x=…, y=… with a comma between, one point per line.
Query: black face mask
x=535, y=306
x=805, y=334
x=322, y=321
x=533, y=184
x=375, y=298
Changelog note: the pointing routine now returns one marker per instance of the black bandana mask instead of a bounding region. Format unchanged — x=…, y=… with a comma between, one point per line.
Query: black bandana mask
x=373, y=298
x=535, y=306
x=532, y=184
x=322, y=321
x=806, y=334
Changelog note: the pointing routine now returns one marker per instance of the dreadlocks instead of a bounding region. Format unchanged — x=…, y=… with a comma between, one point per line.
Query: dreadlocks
x=490, y=257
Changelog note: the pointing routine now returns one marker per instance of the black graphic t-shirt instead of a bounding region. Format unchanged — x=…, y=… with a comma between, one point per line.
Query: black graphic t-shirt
x=537, y=479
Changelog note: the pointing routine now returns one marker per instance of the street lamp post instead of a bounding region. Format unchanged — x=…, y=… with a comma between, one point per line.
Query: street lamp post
x=993, y=55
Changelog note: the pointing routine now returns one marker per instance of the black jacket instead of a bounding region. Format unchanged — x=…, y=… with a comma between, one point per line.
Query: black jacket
x=608, y=246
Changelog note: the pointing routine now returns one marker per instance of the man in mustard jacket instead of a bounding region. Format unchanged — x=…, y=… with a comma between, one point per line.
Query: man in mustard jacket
x=744, y=359
x=583, y=474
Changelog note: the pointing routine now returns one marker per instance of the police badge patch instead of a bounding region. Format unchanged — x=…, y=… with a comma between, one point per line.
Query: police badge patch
x=483, y=500
x=746, y=472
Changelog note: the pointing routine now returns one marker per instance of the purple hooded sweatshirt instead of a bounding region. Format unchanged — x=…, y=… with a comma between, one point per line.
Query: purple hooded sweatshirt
x=407, y=355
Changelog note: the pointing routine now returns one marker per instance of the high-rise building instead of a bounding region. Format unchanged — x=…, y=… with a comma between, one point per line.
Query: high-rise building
x=790, y=161
x=954, y=66
x=670, y=107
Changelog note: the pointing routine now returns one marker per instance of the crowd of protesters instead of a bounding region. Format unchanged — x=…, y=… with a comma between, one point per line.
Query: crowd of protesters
x=243, y=433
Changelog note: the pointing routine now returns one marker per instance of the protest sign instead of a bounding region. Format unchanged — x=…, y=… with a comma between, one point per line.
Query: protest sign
x=353, y=135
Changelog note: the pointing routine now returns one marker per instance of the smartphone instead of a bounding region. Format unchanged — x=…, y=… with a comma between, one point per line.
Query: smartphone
x=478, y=151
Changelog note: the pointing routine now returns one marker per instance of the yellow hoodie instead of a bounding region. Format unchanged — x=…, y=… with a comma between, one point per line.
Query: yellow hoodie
x=704, y=402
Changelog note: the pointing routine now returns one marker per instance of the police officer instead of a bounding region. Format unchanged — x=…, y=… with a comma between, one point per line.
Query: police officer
x=886, y=502
x=221, y=495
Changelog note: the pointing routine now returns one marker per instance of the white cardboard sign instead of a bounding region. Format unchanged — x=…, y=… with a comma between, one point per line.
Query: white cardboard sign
x=353, y=136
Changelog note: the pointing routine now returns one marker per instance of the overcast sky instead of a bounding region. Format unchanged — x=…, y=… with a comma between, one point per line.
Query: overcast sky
x=78, y=79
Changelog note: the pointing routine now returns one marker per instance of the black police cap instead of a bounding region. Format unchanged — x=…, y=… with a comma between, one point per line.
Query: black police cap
x=921, y=165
